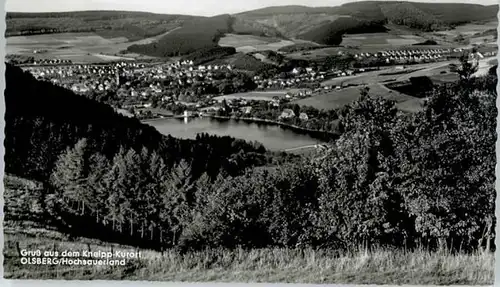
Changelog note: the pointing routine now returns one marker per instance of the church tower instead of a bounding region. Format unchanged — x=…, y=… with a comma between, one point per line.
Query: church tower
x=117, y=78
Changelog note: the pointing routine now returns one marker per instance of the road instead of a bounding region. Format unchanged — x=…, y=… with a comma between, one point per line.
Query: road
x=304, y=147
x=32, y=283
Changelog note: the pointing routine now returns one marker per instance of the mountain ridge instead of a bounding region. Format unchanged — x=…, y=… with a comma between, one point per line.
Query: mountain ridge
x=322, y=25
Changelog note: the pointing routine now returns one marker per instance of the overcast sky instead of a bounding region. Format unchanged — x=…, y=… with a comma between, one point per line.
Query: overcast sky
x=190, y=7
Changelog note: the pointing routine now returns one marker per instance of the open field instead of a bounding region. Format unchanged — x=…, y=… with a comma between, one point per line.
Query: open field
x=471, y=29
x=380, y=39
x=317, y=53
x=335, y=99
x=373, y=77
x=438, y=72
x=482, y=39
x=251, y=43
x=379, y=266
x=468, y=31
x=78, y=47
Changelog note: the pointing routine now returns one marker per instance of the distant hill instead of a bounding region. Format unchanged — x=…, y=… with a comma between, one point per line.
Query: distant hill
x=132, y=25
x=458, y=13
x=323, y=25
x=297, y=20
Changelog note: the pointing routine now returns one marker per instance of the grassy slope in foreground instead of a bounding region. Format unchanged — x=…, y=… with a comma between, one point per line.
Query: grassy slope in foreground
x=273, y=265
x=259, y=265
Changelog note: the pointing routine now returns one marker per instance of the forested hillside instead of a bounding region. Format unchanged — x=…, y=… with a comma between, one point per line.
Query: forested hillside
x=198, y=34
x=331, y=33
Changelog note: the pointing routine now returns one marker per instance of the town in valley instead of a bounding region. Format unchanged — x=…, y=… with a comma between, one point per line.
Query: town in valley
x=287, y=78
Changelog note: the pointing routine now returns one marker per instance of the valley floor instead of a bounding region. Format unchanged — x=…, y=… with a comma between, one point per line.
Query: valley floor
x=263, y=265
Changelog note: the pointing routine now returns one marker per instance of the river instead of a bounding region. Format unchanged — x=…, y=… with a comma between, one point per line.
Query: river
x=273, y=137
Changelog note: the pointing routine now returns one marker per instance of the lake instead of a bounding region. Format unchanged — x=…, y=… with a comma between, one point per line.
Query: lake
x=273, y=137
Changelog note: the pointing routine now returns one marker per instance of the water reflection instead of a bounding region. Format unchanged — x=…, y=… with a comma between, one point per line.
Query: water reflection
x=272, y=137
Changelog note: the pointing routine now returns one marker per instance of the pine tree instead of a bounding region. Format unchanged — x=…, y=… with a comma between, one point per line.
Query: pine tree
x=114, y=181
x=70, y=175
x=158, y=176
x=100, y=165
x=176, y=199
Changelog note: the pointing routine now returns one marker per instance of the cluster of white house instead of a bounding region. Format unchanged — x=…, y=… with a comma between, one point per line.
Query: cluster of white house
x=84, y=78
x=297, y=76
x=411, y=55
x=185, y=73
x=421, y=55
x=51, y=61
x=189, y=65
x=104, y=77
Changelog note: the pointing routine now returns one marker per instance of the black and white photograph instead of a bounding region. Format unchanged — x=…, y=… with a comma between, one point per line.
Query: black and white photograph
x=257, y=141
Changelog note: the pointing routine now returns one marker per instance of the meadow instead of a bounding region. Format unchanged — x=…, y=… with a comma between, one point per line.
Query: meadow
x=471, y=31
x=471, y=28
x=335, y=99
x=390, y=74
x=78, y=47
x=380, y=40
x=317, y=53
x=251, y=43
x=270, y=265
